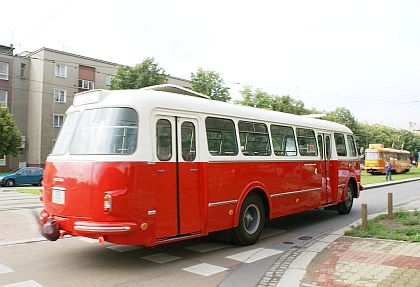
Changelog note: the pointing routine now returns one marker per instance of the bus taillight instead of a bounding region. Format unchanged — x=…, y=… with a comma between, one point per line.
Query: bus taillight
x=107, y=202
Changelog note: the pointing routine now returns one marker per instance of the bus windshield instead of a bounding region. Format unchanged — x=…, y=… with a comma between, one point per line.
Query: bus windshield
x=373, y=156
x=99, y=131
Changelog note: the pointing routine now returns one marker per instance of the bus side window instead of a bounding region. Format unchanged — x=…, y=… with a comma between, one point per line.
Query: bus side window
x=188, y=141
x=254, y=139
x=352, y=147
x=307, y=142
x=340, y=144
x=164, y=140
x=221, y=137
x=283, y=138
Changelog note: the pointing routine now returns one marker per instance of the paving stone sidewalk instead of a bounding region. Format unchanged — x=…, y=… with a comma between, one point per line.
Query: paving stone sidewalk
x=351, y=262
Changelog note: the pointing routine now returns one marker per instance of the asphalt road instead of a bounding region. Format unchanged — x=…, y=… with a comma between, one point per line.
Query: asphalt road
x=77, y=262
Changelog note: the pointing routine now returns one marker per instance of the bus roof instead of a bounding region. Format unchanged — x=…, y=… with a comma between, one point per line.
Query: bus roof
x=152, y=99
x=386, y=150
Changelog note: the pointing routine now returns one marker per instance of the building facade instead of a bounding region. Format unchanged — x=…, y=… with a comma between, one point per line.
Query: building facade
x=38, y=87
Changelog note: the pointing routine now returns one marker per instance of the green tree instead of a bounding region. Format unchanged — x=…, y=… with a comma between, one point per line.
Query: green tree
x=211, y=84
x=145, y=74
x=10, y=136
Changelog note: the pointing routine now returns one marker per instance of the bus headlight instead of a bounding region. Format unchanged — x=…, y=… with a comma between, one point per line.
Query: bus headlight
x=107, y=202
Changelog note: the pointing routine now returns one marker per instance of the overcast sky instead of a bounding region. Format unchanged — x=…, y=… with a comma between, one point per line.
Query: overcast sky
x=363, y=55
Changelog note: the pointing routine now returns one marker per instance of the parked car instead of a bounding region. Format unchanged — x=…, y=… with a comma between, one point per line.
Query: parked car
x=25, y=175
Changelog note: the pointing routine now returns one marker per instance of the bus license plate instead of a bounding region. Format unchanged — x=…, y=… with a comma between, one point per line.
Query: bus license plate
x=58, y=196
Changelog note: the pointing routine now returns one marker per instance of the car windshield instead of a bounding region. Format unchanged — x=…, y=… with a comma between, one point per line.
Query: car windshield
x=14, y=170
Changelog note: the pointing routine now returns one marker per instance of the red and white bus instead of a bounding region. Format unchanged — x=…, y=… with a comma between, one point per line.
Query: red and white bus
x=161, y=164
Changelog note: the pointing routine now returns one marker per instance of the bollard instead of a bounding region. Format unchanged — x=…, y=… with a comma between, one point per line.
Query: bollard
x=390, y=206
x=364, y=217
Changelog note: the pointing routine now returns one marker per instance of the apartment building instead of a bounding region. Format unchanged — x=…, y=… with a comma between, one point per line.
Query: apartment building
x=38, y=87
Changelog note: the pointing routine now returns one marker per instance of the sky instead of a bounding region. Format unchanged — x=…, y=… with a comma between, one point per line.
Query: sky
x=362, y=55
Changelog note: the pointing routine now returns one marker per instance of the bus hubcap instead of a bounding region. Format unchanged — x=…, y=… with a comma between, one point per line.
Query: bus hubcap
x=251, y=219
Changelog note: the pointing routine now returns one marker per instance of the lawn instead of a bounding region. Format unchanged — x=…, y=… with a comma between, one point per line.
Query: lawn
x=404, y=226
x=369, y=178
x=31, y=191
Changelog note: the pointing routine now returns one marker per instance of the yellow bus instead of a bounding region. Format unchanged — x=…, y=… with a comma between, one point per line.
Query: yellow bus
x=376, y=157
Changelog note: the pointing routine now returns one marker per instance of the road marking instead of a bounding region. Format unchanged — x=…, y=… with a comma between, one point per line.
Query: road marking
x=5, y=269
x=29, y=283
x=254, y=255
x=123, y=248
x=205, y=269
x=269, y=232
x=88, y=240
x=160, y=258
x=207, y=247
x=21, y=241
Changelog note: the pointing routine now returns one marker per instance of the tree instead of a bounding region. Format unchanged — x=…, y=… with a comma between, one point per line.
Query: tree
x=145, y=74
x=211, y=84
x=261, y=99
x=10, y=136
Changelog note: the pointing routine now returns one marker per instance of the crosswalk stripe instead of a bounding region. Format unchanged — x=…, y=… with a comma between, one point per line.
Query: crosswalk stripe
x=29, y=283
x=5, y=269
x=123, y=248
x=254, y=255
x=205, y=269
x=207, y=247
x=160, y=258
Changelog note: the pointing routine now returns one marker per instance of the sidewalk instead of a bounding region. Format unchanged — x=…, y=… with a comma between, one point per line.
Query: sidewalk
x=351, y=262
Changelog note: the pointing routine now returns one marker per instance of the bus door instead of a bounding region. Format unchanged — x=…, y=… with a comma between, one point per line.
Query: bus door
x=177, y=173
x=324, y=142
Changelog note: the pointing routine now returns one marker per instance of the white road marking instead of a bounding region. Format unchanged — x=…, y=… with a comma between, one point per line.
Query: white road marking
x=5, y=269
x=207, y=247
x=160, y=258
x=254, y=255
x=269, y=232
x=205, y=269
x=29, y=283
x=123, y=248
x=21, y=241
x=88, y=240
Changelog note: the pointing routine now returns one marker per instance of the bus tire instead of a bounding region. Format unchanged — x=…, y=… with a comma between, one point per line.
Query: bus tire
x=251, y=221
x=345, y=206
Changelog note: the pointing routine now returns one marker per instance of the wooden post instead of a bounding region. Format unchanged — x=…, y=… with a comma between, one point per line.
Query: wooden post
x=390, y=206
x=364, y=217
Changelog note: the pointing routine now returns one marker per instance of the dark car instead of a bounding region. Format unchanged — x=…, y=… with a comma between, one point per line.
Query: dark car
x=24, y=175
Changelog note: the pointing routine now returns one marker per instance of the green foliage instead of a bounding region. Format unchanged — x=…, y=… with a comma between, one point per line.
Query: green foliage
x=211, y=84
x=404, y=226
x=10, y=136
x=145, y=74
x=261, y=99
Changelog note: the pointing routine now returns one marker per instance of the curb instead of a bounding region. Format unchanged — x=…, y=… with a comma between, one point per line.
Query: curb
x=382, y=184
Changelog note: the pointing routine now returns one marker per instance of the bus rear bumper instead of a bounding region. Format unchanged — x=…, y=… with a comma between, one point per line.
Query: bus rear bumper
x=104, y=228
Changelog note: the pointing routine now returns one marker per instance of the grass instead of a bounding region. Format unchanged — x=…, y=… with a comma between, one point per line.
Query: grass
x=404, y=226
x=31, y=191
x=377, y=178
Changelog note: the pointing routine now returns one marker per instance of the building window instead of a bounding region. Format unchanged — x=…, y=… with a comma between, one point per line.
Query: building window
x=86, y=85
x=61, y=71
x=2, y=160
x=4, y=71
x=22, y=70
x=58, y=121
x=60, y=95
x=3, y=98
x=108, y=79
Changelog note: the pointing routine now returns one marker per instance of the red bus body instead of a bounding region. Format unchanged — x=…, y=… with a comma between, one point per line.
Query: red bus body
x=155, y=202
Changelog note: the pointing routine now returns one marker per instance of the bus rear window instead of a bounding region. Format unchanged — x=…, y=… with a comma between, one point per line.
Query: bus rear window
x=106, y=131
x=373, y=156
x=64, y=139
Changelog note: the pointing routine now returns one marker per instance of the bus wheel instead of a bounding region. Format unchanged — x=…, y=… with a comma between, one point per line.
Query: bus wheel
x=251, y=221
x=10, y=182
x=345, y=206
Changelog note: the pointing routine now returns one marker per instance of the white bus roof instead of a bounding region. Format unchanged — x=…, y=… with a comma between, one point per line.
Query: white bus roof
x=164, y=98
